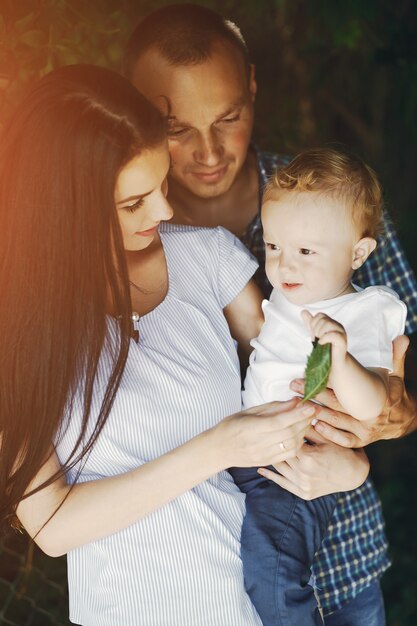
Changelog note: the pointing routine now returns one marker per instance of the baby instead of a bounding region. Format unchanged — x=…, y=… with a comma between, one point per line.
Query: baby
x=320, y=217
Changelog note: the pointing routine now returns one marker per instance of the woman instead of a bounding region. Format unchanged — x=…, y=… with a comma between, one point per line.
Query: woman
x=118, y=367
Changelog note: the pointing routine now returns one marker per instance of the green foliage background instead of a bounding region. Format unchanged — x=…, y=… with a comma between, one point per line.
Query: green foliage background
x=327, y=72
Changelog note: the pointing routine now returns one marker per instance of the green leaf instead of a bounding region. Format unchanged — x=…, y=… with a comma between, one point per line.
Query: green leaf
x=317, y=371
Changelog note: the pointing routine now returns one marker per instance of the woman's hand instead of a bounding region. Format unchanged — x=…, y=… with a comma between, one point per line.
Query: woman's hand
x=62, y=517
x=320, y=469
x=398, y=418
x=263, y=435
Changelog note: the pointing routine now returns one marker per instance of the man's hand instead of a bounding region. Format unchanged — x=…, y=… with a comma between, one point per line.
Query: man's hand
x=320, y=469
x=398, y=418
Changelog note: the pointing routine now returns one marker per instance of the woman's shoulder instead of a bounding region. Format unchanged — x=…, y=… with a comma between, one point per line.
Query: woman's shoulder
x=212, y=252
x=186, y=231
x=216, y=242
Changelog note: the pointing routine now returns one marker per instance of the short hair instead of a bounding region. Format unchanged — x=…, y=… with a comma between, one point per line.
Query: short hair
x=337, y=174
x=184, y=34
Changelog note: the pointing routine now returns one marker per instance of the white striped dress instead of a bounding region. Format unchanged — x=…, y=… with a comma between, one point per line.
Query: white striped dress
x=179, y=566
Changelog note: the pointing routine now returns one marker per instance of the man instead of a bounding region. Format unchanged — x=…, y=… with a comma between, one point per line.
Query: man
x=194, y=66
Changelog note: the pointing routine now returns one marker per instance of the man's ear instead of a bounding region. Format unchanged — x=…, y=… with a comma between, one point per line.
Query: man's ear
x=362, y=250
x=253, y=87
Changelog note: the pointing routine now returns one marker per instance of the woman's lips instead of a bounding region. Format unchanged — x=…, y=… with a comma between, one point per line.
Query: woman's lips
x=147, y=233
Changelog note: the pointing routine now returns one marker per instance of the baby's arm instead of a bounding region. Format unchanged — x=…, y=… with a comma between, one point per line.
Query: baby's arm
x=361, y=391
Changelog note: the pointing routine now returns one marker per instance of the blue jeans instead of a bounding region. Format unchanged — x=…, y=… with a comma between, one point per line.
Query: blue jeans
x=280, y=535
x=366, y=609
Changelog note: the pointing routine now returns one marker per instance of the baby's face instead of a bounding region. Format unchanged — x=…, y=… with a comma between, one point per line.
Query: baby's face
x=309, y=243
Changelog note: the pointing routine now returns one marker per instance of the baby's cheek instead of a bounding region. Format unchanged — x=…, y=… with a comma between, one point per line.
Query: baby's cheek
x=271, y=273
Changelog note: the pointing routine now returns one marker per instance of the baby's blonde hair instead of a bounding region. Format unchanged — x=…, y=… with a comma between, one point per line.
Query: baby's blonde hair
x=336, y=174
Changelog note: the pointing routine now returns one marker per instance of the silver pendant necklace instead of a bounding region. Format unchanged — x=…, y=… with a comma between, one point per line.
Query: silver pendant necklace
x=135, y=317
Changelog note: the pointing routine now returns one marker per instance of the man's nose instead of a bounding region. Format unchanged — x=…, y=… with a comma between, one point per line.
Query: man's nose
x=209, y=149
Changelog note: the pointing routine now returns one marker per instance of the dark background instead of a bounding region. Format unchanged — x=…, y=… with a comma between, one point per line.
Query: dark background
x=327, y=72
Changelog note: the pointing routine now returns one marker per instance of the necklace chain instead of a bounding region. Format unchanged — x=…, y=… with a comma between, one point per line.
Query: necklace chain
x=135, y=317
x=145, y=291
x=135, y=286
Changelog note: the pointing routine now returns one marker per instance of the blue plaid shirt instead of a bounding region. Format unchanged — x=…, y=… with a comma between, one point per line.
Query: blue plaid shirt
x=354, y=552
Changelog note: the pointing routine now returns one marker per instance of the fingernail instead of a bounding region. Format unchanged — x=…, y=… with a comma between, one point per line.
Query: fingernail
x=314, y=421
x=261, y=471
x=308, y=410
x=296, y=384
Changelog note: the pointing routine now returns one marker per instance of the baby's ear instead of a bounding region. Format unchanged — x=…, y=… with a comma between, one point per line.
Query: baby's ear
x=362, y=250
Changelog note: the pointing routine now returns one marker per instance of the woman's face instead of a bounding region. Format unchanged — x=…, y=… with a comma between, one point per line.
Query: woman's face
x=140, y=196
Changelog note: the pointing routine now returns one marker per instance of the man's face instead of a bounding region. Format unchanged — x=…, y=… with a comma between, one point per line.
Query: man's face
x=210, y=114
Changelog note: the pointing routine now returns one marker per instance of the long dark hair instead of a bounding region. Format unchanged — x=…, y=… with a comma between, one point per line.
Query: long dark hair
x=62, y=258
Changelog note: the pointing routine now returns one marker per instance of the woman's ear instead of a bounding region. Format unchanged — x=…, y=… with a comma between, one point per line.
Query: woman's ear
x=362, y=250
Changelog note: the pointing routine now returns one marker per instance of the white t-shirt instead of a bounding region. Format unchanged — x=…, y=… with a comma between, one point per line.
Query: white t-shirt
x=179, y=566
x=372, y=318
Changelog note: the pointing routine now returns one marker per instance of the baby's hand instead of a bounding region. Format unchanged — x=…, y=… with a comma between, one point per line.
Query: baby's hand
x=327, y=330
